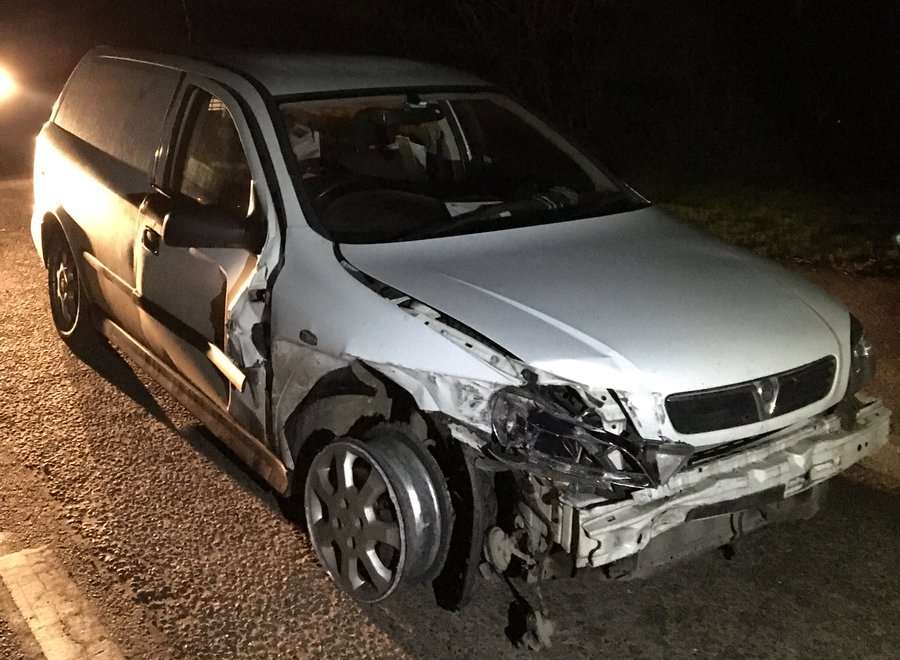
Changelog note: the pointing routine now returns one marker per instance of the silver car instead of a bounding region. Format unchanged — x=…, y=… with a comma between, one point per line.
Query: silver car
x=437, y=328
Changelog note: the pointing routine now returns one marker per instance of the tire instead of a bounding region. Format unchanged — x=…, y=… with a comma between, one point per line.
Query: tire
x=69, y=305
x=374, y=514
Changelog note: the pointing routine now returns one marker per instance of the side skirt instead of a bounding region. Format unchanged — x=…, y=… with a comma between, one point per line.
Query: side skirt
x=250, y=450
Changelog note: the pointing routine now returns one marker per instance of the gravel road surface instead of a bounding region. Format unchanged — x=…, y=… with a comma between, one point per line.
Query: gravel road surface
x=182, y=553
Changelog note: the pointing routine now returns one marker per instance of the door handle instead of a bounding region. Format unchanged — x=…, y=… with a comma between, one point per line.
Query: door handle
x=150, y=239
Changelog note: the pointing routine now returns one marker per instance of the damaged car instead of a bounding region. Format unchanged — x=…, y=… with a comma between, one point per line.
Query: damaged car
x=442, y=332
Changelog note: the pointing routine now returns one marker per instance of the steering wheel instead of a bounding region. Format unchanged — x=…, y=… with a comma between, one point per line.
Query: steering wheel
x=338, y=188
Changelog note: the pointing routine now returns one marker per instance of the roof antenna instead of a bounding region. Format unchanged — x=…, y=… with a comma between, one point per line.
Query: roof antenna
x=187, y=22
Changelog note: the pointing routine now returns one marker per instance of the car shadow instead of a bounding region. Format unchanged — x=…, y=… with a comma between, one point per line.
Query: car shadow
x=206, y=443
x=113, y=368
x=110, y=365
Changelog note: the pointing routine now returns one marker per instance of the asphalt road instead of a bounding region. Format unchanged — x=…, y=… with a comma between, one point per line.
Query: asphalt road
x=183, y=554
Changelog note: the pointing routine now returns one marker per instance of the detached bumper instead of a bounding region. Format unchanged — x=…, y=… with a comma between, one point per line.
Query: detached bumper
x=790, y=462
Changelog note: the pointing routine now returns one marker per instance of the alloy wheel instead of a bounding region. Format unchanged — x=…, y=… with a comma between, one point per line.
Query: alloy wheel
x=64, y=290
x=373, y=515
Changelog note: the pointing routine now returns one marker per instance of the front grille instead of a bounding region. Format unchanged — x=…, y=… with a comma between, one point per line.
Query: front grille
x=740, y=404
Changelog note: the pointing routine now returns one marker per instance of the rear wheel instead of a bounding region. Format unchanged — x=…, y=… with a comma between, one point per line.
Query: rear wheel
x=375, y=515
x=68, y=303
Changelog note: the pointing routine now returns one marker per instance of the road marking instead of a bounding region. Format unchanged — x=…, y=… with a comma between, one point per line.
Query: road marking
x=60, y=618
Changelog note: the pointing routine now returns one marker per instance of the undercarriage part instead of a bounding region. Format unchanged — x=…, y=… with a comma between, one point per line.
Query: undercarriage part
x=375, y=515
x=528, y=626
x=558, y=564
x=499, y=548
x=535, y=519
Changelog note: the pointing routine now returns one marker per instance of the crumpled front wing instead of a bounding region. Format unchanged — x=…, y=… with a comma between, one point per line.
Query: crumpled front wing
x=791, y=462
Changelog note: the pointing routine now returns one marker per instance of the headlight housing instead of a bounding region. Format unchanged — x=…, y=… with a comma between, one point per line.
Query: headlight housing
x=862, y=358
x=556, y=431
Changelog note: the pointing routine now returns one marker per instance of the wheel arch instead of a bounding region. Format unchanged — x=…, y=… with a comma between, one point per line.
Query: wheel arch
x=51, y=227
x=58, y=223
x=348, y=400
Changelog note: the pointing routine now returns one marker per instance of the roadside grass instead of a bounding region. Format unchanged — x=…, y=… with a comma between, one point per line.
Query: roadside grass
x=796, y=228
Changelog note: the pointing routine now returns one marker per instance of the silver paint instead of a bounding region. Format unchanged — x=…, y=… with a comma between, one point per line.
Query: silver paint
x=635, y=302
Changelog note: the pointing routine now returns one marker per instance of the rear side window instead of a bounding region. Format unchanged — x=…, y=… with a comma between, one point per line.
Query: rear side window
x=118, y=107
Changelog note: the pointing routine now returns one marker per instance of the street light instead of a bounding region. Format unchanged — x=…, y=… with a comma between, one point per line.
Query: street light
x=7, y=86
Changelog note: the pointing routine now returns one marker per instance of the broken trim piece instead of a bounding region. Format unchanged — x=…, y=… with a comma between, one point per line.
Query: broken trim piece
x=226, y=367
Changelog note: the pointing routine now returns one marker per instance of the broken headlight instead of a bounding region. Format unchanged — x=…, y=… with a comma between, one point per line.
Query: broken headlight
x=862, y=358
x=555, y=430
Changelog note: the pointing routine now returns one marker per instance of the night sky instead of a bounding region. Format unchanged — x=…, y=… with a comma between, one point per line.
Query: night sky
x=770, y=90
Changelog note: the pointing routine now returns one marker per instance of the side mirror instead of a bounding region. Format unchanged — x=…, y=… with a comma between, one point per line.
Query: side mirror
x=210, y=227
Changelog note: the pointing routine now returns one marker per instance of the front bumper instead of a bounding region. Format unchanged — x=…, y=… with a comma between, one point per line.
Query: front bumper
x=794, y=460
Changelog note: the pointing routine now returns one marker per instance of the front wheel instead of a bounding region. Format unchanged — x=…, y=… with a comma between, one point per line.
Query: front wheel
x=68, y=303
x=375, y=514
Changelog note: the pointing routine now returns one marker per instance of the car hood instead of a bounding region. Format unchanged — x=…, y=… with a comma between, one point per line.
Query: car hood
x=635, y=301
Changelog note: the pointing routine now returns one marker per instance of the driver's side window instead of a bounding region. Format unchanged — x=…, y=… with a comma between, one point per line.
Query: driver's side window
x=211, y=167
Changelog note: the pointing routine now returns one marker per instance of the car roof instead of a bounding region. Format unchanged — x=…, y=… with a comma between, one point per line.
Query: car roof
x=286, y=74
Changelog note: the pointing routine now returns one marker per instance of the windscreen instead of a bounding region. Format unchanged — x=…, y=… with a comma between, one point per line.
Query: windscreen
x=409, y=167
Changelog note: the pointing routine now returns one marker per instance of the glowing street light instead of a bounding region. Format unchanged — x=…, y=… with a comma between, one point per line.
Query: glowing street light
x=7, y=86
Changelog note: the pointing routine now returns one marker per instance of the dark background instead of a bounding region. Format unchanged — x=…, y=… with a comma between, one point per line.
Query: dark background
x=770, y=93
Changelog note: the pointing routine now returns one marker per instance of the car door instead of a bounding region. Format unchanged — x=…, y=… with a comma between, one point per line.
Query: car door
x=185, y=293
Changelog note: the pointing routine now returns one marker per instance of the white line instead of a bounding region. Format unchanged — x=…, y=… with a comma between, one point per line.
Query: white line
x=61, y=619
x=27, y=644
